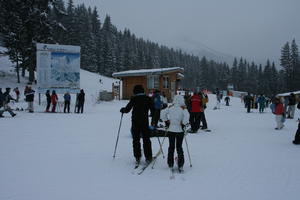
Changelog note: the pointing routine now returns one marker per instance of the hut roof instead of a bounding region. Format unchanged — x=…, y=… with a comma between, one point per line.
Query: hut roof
x=144, y=72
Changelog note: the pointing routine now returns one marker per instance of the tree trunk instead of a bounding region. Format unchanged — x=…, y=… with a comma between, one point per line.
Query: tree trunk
x=18, y=71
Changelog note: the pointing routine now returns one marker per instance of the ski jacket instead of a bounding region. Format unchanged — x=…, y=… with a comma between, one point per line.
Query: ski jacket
x=29, y=94
x=140, y=105
x=67, y=97
x=157, y=101
x=292, y=100
x=176, y=114
x=48, y=96
x=248, y=99
x=196, y=103
x=279, y=110
x=261, y=100
x=81, y=97
x=54, y=98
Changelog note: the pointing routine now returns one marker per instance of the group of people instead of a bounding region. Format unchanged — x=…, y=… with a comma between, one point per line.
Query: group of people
x=53, y=99
x=29, y=94
x=196, y=105
x=256, y=102
x=175, y=117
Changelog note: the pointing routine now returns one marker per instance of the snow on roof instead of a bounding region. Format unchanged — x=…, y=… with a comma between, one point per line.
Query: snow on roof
x=288, y=93
x=142, y=72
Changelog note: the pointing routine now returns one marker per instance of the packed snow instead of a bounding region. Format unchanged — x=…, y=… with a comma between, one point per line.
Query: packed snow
x=69, y=156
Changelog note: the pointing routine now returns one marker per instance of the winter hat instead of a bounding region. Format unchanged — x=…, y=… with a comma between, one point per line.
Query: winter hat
x=178, y=100
x=138, y=89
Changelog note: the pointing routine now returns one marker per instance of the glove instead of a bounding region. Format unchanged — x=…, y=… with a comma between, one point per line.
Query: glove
x=167, y=123
x=122, y=110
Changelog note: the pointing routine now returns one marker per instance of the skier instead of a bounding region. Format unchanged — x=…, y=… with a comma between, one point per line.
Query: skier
x=219, y=97
x=140, y=105
x=6, y=98
x=17, y=91
x=278, y=112
x=204, y=101
x=195, y=115
x=80, y=101
x=48, y=96
x=67, y=98
x=248, y=101
x=29, y=95
x=54, y=100
x=297, y=136
x=175, y=117
x=157, y=101
x=261, y=100
x=292, y=106
x=227, y=99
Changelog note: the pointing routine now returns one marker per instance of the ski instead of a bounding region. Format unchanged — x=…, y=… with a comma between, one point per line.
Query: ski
x=144, y=168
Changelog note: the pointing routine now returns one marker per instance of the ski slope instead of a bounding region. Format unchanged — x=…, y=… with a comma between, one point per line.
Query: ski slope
x=69, y=156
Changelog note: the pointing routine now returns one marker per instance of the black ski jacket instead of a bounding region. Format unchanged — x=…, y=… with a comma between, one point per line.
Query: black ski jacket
x=140, y=105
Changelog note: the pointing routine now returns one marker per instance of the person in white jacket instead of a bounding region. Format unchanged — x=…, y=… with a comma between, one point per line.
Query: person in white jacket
x=176, y=116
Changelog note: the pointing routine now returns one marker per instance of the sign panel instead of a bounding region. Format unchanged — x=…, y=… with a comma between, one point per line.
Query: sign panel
x=58, y=68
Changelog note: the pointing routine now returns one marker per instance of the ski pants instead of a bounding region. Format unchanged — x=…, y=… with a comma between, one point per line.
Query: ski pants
x=261, y=107
x=195, y=118
x=291, y=111
x=139, y=130
x=53, y=107
x=155, y=117
x=80, y=107
x=175, y=139
x=297, y=136
x=48, y=105
x=278, y=119
x=203, y=120
x=67, y=106
x=248, y=105
x=30, y=106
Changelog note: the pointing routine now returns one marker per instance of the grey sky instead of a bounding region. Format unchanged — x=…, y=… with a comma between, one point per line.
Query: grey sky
x=254, y=29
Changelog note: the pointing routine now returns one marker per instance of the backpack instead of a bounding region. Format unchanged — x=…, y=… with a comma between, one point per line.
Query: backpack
x=157, y=102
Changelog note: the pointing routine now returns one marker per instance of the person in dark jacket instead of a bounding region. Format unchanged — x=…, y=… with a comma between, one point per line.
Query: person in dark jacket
x=80, y=101
x=140, y=105
x=67, y=98
x=292, y=106
x=48, y=96
x=227, y=100
x=29, y=95
x=157, y=108
x=6, y=98
x=248, y=99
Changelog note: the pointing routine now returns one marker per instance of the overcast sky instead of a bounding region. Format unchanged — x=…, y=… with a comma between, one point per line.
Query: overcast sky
x=254, y=29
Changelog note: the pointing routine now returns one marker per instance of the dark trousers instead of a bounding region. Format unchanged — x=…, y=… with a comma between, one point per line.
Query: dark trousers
x=48, y=105
x=67, y=106
x=139, y=130
x=195, y=121
x=80, y=107
x=53, y=107
x=175, y=139
x=248, y=105
x=297, y=136
x=203, y=120
x=155, y=117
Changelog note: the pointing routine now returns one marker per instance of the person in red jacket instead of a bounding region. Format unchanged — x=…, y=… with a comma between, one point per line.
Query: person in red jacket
x=278, y=112
x=195, y=114
x=54, y=100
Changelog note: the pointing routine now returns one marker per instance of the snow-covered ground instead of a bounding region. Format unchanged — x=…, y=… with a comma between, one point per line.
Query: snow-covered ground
x=59, y=156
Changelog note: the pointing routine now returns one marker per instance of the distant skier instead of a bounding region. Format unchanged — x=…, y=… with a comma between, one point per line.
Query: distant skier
x=17, y=91
x=195, y=115
x=80, y=101
x=29, y=96
x=140, y=105
x=48, y=97
x=54, y=100
x=175, y=117
x=67, y=98
x=227, y=100
x=157, y=101
x=292, y=106
x=248, y=102
x=6, y=98
x=278, y=112
x=261, y=100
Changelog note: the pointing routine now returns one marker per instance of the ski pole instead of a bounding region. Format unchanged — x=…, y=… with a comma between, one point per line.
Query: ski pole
x=118, y=136
x=160, y=147
x=187, y=148
x=160, y=150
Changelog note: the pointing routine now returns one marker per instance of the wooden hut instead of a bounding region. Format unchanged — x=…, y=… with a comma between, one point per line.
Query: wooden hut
x=166, y=80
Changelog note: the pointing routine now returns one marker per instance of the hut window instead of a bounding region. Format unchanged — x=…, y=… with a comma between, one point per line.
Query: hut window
x=153, y=82
x=166, y=82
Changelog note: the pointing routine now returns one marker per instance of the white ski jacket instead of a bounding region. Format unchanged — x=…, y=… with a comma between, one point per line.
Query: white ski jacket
x=176, y=115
